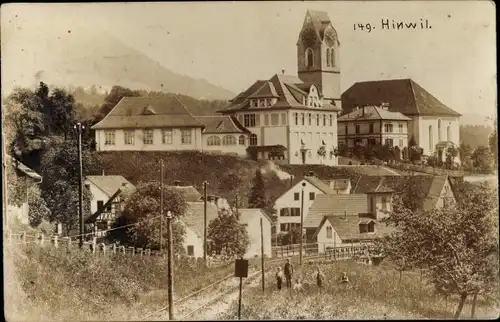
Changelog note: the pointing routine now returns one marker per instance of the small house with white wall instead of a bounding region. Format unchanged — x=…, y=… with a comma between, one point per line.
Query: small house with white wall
x=108, y=199
x=193, y=222
x=288, y=205
x=250, y=218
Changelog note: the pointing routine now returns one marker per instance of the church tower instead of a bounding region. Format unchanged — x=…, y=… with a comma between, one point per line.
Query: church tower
x=318, y=55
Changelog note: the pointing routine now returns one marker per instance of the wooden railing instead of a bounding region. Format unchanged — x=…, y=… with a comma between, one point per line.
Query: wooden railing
x=339, y=252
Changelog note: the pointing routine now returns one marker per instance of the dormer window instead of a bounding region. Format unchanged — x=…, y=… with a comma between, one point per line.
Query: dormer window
x=269, y=102
x=366, y=227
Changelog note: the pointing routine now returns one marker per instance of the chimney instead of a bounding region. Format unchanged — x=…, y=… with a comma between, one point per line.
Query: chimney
x=124, y=184
x=283, y=71
x=356, y=107
x=291, y=181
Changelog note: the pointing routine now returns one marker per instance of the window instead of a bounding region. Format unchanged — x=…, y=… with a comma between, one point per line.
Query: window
x=400, y=128
x=388, y=127
x=296, y=196
x=129, y=137
x=249, y=120
x=167, y=137
x=296, y=118
x=109, y=137
x=269, y=102
x=372, y=142
x=389, y=142
x=384, y=203
x=241, y=140
x=302, y=118
x=358, y=142
x=284, y=212
x=190, y=250
x=448, y=133
x=213, y=140
x=324, y=119
x=253, y=139
x=275, y=119
x=346, y=129
x=439, y=130
x=400, y=143
x=283, y=118
x=371, y=128
x=229, y=140
x=318, y=119
x=330, y=120
x=328, y=57
x=147, y=137
x=186, y=136
x=284, y=227
x=255, y=103
x=311, y=195
x=309, y=116
x=357, y=128
x=329, y=233
x=309, y=57
x=363, y=228
x=100, y=204
x=295, y=212
x=430, y=138
x=332, y=57
x=371, y=227
x=266, y=119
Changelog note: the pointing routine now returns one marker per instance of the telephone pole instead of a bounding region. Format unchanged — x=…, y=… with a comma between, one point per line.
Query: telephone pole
x=79, y=128
x=237, y=215
x=205, y=223
x=161, y=205
x=170, y=279
x=301, y=221
x=262, y=253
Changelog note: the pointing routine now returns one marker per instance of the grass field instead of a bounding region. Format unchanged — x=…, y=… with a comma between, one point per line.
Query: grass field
x=373, y=293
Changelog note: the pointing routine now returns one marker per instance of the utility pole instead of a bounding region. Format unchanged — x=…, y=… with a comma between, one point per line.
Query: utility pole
x=301, y=222
x=170, y=279
x=79, y=128
x=262, y=253
x=237, y=215
x=205, y=248
x=161, y=206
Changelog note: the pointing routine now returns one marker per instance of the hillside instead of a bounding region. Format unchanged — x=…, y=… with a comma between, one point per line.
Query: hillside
x=84, y=57
x=475, y=135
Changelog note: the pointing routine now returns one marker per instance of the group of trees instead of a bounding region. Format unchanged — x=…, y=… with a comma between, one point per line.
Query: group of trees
x=455, y=246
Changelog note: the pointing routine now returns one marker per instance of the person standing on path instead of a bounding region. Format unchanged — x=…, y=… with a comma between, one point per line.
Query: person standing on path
x=320, y=277
x=288, y=273
x=279, y=278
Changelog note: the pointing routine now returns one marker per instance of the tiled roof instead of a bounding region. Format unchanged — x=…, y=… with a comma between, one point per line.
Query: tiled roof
x=339, y=184
x=347, y=228
x=189, y=192
x=194, y=216
x=429, y=187
x=267, y=90
x=289, y=90
x=221, y=124
x=110, y=184
x=148, y=112
x=372, y=113
x=372, y=170
x=338, y=204
x=320, y=21
x=321, y=185
x=403, y=95
x=248, y=214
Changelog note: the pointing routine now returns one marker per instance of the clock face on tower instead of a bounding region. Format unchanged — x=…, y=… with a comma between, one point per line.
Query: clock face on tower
x=309, y=37
x=330, y=37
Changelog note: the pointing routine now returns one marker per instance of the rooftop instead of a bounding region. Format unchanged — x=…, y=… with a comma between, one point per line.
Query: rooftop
x=338, y=204
x=221, y=124
x=372, y=113
x=110, y=184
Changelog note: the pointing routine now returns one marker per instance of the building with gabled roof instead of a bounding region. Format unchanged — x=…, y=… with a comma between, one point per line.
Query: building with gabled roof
x=373, y=125
x=294, y=118
x=250, y=219
x=194, y=221
x=432, y=122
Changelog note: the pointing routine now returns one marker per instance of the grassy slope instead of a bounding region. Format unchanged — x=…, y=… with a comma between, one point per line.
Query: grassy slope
x=373, y=292
x=193, y=168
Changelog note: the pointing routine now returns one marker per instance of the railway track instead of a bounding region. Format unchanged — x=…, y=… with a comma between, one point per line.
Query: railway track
x=198, y=307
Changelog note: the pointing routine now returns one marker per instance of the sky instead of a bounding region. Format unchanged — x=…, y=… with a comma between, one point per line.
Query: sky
x=232, y=44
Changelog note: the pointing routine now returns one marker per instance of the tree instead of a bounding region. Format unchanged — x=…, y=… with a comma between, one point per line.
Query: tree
x=257, y=197
x=493, y=143
x=291, y=237
x=227, y=235
x=456, y=244
x=229, y=185
x=414, y=151
x=61, y=112
x=465, y=151
x=451, y=154
x=38, y=210
x=114, y=96
x=482, y=159
x=142, y=210
x=60, y=185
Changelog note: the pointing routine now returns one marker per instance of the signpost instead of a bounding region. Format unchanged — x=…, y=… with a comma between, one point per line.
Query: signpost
x=240, y=270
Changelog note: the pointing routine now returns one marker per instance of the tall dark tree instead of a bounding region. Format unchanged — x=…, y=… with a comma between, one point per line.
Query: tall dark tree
x=61, y=112
x=257, y=197
x=226, y=235
x=483, y=160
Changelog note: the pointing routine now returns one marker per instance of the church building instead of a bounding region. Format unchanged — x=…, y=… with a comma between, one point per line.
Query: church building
x=294, y=118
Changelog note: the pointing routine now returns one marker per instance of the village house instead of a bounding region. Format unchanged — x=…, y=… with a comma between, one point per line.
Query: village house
x=288, y=205
x=250, y=218
x=373, y=125
x=294, y=119
x=109, y=193
x=193, y=222
x=433, y=125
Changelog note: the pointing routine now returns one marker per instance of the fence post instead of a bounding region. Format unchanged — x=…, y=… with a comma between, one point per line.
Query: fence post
x=140, y=251
x=132, y=249
x=148, y=252
x=113, y=248
x=93, y=244
x=103, y=247
x=68, y=241
x=124, y=251
x=56, y=243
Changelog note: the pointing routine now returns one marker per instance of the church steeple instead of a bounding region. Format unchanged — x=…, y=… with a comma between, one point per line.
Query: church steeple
x=318, y=55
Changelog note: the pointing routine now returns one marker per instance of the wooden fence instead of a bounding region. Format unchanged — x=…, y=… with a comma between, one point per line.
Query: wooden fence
x=340, y=252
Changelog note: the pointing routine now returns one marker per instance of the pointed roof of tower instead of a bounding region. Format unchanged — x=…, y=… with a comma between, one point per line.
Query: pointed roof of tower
x=320, y=21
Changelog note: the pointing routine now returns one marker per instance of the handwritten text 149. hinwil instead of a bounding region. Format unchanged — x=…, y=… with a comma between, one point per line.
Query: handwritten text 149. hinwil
x=391, y=24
